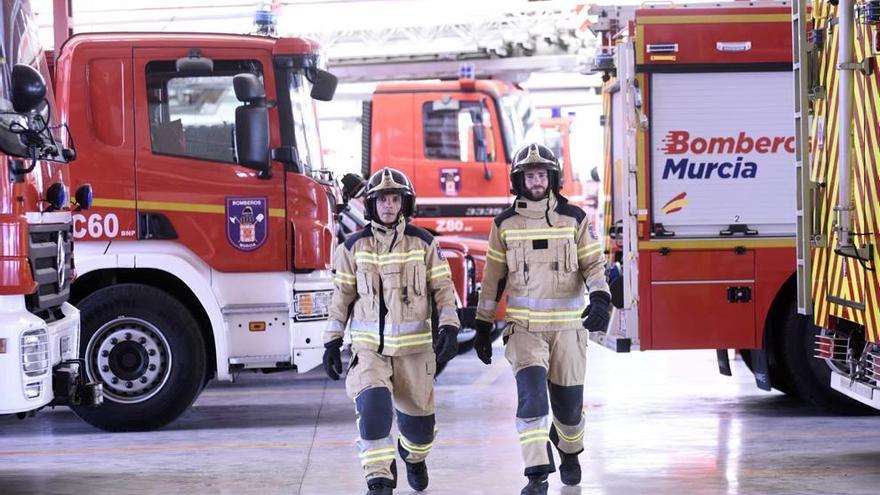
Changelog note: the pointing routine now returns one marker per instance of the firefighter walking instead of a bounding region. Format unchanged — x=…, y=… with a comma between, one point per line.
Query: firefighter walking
x=542, y=252
x=386, y=277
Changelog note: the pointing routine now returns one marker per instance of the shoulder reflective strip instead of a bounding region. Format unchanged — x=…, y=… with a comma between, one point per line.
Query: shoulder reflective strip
x=344, y=281
x=570, y=303
x=495, y=252
x=440, y=267
x=495, y=258
x=551, y=230
x=592, y=245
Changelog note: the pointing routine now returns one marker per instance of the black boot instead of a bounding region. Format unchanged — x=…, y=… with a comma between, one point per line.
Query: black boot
x=538, y=485
x=380, y=486
x=570, y=469
x=416, y=472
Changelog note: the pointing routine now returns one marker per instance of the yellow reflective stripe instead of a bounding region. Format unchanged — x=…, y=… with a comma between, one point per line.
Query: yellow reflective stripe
x=496, y=252
x=375, y=452
x=389, y=255
x=544, y=313
x=346, y=276
x=439, y=267
x=532, y=231
x=533, y=431
x=493, y=258
x=344, y=281
x=388, y=344
x=570, y=439
x=172, y=206
x=364, y=462
x=368, y=261
x=587, y=254
x=441, y=274
x=532, y=237
x=392, y=337
x=545, y=438
x=590, y=246
x=414, y=448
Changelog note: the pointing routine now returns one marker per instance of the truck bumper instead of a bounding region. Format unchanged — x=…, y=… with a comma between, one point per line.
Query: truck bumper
x=855, y=390
x=71, y=388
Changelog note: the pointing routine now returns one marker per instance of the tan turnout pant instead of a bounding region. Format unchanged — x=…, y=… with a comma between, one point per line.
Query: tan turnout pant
x=554, y=360
x=379, y=385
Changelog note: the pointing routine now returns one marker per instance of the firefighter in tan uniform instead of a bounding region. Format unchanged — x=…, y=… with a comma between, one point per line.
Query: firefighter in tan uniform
x=541, y=253
x=387, y=276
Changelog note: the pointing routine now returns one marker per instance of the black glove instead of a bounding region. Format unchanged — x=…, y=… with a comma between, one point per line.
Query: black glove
x=597, y=315
x=483, y=341
x=333, y=358
x=447, y=343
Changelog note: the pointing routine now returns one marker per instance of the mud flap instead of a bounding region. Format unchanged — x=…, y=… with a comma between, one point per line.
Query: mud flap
x=723, y=362
x=761, y=368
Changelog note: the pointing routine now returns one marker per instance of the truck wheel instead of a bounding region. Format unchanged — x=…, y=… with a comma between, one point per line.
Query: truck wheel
x=811, y=377
x=145, y=348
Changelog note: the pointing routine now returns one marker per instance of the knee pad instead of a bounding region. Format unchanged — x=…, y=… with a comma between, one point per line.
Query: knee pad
x=567, y=402
x=416, y=429
x=375, y=412
x=531, y=389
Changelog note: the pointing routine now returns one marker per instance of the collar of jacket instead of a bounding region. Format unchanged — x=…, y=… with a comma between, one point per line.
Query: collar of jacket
x=385, y=235
x=537, y=209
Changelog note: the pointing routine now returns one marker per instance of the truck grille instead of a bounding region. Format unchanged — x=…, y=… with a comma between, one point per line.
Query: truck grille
x=51, y=260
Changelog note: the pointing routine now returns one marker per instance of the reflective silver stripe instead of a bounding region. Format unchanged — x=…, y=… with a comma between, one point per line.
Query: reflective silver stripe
x=373, y=451
x=488, y=305
x=335, y=326
x=571, y=433
x=533, y=429
x=390, y=328
x=448, y=313
x=572, y=303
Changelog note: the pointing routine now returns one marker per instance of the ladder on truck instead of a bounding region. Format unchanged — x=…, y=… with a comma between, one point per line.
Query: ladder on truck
x=804, y=195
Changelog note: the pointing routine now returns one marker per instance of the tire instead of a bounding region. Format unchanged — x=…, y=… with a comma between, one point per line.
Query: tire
x=811, y=377
x=145, y=348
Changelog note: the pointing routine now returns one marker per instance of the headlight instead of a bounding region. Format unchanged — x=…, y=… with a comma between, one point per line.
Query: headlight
x=311, y=305
x=35, y=352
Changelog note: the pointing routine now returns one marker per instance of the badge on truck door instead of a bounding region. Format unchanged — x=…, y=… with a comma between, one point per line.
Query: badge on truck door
x=247, y=222
x=450, y=181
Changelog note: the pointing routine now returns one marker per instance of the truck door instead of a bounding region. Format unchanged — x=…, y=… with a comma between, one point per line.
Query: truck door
x=189, y=185
x=460, y=166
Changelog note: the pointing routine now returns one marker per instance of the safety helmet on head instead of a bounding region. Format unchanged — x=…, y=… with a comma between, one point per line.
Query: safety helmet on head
x=534, y=156
x=389, y=180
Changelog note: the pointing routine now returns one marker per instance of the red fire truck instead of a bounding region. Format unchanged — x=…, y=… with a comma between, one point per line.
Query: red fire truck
x=207, y=252
x=701, y=227
x=455, y=139
x=836, y=116
x=39, y=329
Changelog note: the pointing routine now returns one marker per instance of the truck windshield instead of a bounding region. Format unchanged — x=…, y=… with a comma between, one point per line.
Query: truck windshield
x=305, y=123
x=519, y=122
x=20, y=44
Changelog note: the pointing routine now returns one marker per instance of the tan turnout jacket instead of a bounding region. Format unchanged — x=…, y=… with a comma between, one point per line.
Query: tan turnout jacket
x=541, y=253
x=385, y=281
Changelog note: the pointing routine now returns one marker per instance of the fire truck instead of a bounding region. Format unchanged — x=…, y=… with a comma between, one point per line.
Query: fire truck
x=701, y=225
x=208, y=248
x=39, y=329
x=837, y=107
x=455, y=138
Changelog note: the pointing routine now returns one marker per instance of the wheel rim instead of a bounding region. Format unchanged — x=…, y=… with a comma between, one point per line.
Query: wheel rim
x=131, y=358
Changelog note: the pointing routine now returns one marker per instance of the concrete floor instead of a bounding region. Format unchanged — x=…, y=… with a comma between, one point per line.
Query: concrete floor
x=658, y=423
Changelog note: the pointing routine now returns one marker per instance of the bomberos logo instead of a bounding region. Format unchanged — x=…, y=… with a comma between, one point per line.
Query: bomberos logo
x=699, y=163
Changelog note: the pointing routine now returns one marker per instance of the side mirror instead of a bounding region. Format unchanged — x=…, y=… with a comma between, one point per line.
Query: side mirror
x=323, y=85
x=352, y=185
x=481, y=147
x=28, y=88
x=594, y=174
x=195, y=62
x=252, y=124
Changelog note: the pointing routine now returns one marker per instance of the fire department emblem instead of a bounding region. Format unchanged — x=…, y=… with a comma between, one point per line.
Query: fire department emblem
x=450, y=181
x=247, y=222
